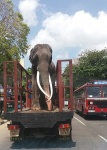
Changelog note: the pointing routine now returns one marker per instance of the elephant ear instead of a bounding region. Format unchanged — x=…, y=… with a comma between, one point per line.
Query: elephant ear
x=31, y=55
x=50, y=48
x=50, y=59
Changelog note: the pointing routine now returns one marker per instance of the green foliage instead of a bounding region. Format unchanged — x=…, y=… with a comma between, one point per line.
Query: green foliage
x=91, y=66
x=29, y=71
x=13, y=33
x=24, y=77
x=66, y=82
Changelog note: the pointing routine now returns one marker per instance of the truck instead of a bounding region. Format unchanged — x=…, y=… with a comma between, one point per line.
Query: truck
x=25, y=122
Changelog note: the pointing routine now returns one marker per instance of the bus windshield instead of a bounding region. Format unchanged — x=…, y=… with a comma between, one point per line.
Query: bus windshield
x=93, y=91
x=104, y=91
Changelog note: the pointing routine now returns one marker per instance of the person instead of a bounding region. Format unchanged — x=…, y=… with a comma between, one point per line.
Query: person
x=1, y=98
x=9, y=93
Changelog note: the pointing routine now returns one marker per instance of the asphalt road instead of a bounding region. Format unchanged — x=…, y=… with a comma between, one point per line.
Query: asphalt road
x=87, y=134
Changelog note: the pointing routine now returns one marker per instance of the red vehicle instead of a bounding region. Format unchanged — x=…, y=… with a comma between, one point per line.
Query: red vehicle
x=91, y=98
x=27, y=122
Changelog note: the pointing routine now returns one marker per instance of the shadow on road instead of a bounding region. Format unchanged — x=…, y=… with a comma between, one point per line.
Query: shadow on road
x=96, y=118
x=46, y=142
x=93, y=117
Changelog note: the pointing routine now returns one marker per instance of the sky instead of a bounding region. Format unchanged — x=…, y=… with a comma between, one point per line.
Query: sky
x=68, y=26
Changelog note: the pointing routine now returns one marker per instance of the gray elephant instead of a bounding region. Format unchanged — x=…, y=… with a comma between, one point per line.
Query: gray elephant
x=43, y=77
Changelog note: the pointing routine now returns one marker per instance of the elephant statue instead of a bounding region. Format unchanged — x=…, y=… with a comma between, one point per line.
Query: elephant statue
x=43, y=77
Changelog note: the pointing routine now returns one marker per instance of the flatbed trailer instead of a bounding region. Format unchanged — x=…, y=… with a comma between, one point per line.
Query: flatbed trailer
x=27, y=122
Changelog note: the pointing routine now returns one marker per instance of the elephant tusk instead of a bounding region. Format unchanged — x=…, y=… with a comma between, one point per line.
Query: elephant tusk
x=40, y=85
x=51, y=88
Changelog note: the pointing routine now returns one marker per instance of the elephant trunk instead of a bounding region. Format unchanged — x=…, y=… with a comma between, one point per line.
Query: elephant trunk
x=47, y=87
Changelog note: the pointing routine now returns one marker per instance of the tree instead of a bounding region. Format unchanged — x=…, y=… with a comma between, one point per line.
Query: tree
x=66, y=82
x=92, y=65
x=13, y=33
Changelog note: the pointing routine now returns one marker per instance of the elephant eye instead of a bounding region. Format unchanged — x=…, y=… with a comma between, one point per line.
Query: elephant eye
x=36, y=56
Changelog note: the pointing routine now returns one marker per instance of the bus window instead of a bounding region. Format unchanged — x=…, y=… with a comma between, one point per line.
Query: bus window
x=104, y=91
x=93, y=92
x=80, y=93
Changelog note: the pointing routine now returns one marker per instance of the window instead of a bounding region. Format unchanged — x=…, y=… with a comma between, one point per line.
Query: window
x=104, y=91
x=80, y=93
x=93, y=91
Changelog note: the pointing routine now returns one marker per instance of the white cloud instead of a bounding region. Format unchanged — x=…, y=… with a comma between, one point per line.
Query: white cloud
x=64, y=55
x=28, y=10
x=80, y=30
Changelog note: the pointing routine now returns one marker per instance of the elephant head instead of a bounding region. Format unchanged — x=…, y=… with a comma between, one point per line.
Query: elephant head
x=42, y=71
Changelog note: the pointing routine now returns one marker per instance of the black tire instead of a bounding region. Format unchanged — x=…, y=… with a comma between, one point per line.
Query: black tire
x=106, y=116
x=84, y=115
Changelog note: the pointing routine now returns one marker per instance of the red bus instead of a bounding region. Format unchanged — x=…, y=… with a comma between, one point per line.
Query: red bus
x=91, y=98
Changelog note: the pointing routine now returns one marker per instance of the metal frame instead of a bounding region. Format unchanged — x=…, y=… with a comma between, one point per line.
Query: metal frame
x=17, y=68
x=61, y=86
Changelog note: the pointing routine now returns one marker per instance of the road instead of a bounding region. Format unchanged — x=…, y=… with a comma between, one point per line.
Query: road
x=87, y=134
